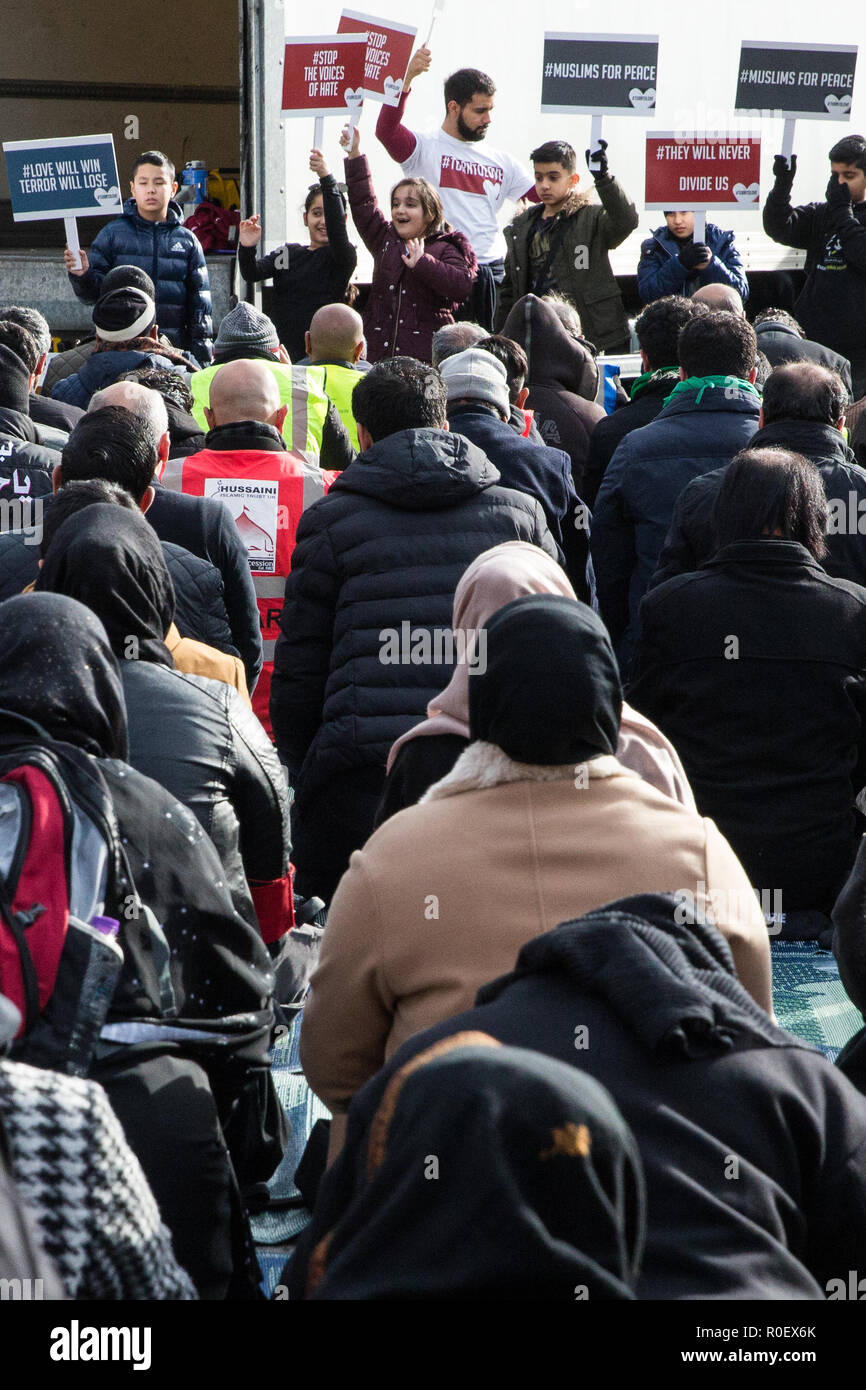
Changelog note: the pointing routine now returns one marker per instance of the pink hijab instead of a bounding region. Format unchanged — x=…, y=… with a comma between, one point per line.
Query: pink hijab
x=496, y=577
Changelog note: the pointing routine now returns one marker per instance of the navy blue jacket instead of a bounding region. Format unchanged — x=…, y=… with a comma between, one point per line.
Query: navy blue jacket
x=661, y=272
x=541, y=472
x=637, y=497
x=174, y=260
x=103, y=368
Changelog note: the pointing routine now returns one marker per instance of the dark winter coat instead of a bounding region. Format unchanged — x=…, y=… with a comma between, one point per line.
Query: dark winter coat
x=174, y=260
x=832, y=303
x=781, y=344
x=692, y=540
x=104, y=367
x=772, y=730
x=591, y=229
x=25, y=466
x=612, y=429
x=386, y=547
x=406, y=306
x=55, y=414
x=200, y=610
x=306, y=279
x=540, y=472
x=205, y=527
x=563, y=380
x=636, y=500
x=660, y=270
x=704, y=1080
x=200, y=741
x=185, y=433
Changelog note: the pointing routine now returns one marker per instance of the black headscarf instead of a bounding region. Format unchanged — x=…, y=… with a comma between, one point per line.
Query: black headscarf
x=485, y=1171
x=110, y=559
x=550, y=691
x=57, y=668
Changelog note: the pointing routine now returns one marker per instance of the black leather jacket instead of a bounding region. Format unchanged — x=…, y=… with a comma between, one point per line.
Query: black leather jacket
x=198, y=738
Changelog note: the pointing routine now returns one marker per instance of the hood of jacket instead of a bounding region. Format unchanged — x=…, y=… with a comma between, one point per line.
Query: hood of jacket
x=419, y=470
x=670, y=982
x=556, y=357
x=576, y=200
x=817, y=442
x=173, y=219
x=734, y=399
x=15, y=425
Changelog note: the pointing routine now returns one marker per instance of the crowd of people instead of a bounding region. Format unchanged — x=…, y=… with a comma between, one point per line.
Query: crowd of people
x=384, y=677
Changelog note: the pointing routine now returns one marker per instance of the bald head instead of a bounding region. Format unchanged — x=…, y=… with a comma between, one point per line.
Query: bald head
x=243, y=390
x=720, y=297
x=336, y=334
x=138, y=400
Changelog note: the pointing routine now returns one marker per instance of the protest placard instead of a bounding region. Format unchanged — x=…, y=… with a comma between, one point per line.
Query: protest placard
x=796, y=80
x=69, y=176
x=325, y=75
x=389, y=48
x=72, y=176
x=701, y=171
x=599, y=74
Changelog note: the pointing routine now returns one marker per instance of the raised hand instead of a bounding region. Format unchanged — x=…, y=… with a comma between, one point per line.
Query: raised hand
x=76, y=265
x=318, y=165
x=351, y=142
x=413, y=251
x=418, y=63
x=250, y=231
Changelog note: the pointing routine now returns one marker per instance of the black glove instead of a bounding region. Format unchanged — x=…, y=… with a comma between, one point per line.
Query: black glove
x=600, y=156
x=838, y=196
x=695, y=255
x=783, y=171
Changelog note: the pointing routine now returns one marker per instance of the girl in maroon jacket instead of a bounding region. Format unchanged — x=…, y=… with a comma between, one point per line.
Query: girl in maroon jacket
x=422, y=270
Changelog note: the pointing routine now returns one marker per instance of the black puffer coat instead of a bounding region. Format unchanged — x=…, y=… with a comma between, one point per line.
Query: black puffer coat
x=25, y=465
x=174, y=260
x=387, y=546
x=691, y=540
x=198, y=739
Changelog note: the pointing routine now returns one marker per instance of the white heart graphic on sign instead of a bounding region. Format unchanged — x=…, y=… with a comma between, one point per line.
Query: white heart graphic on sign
x=393, y=86
x=491, y=189
x=838, y=106
x=107, y=197
x=746, y=195
x=353, y=98
x=642, y=101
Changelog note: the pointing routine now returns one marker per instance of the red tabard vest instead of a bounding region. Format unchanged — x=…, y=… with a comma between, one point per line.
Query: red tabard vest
x=265, y=493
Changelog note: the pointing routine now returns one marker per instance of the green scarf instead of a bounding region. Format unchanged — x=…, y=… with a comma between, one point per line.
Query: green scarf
x=701, y=383
x=646, y=377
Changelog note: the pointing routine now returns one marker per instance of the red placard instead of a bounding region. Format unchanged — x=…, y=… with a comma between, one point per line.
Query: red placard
x=389, y=48
x=324, y=76
x=702, y=171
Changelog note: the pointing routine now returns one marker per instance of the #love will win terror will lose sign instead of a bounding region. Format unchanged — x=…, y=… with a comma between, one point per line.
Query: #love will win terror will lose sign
x=322, y=76
x=702, y=171
x=599, y=74
x=71, y=176
x=389, y=48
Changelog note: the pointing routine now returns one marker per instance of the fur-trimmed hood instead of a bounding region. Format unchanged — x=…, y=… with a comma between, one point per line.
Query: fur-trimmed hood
x=484, y=765
x=573, y=203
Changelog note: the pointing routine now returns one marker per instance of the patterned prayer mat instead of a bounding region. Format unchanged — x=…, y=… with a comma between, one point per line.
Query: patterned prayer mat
x=809, y=998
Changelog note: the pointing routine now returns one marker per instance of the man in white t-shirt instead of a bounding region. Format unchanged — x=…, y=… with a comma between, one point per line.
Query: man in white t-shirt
x=472, y=183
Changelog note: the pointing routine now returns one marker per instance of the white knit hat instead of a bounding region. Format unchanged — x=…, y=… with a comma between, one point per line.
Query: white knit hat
x=476, y=375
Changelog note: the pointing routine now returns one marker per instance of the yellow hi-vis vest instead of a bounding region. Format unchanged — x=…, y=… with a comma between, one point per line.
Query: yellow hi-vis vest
x=302, y=389
x=340, y=382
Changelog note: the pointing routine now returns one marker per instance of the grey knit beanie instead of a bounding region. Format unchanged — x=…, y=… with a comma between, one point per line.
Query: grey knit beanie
x=244, y=326
x=475, y=375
